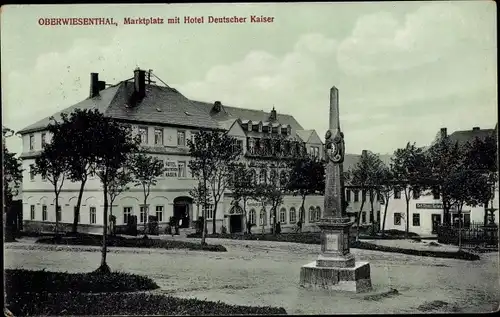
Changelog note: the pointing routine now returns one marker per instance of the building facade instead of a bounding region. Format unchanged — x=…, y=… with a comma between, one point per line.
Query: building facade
x=426, y=210
x=165, y=120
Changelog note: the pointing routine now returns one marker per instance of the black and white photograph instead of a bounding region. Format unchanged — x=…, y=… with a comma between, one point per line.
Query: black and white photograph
x=250, y=158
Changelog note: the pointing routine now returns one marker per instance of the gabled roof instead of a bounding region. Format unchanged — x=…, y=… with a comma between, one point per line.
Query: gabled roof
x=164, y=106
x=247, y=114
x=464, y=136
x=304, y=135
x=101, y=103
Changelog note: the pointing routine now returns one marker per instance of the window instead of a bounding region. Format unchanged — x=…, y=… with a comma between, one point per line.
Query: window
x=253, y=176
x=263, y=217
x=44, y=178
x=43, y=139
x=283, y=215
x=397, y=194
x=312, y=214
x=58, y=213
x=181, y=169
x=127, y=211
x=283, y=179
x=356, y=195
x=263, y=176
x=315, y=151
x=181, y=138
x=260, y=126
x=379, y=197
x=32, y=172
x=251, y=216
x=44, y=212
x=158, y=136
x=363, y=217
x=292, y=215
x=143, y=133
x=416, y=220
x=273, y=177
x=397, y=219
x=208, y=211
x=142, y=217
x=32, y=142
x=347, y=195
x=93, y=215
x=74, y=213
x=32, y=212
x=318, y=213
x=159, y=213
x=193, y=136
x=363, y=194
x=250, y=126
x=237, y=146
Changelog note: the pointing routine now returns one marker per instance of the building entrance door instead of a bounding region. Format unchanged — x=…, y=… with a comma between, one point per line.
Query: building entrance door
x=235, y=223
x=183, y=210
x=436, y=221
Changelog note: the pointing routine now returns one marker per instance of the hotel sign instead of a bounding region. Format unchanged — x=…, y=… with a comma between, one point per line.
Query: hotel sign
x=429, y=206
x=171, y=169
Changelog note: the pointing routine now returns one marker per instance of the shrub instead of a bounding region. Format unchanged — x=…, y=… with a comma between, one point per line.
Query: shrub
x=461, y=255
x=19, y=281
x=117, y=241
x=127, y=304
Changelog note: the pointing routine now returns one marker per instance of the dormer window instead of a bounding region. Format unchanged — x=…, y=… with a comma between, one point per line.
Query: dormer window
x=249, y=126
x=260, y=126
x=288, y=130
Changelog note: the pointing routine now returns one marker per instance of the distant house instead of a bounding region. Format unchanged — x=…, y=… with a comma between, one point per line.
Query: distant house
x=426, y=209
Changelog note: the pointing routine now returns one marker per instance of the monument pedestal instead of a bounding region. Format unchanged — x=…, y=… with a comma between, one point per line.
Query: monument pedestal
x=336, y=268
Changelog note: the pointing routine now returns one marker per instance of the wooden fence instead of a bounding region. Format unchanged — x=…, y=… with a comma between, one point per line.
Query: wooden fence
x=474, y=235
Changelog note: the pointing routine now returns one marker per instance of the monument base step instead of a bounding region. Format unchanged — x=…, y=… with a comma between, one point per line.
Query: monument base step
x=350, y=279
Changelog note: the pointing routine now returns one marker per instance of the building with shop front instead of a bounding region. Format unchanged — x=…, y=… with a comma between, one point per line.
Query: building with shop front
x=426, y=210
x=165, y=119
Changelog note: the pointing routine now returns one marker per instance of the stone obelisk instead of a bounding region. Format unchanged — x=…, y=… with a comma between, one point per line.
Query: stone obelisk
x=335, y=268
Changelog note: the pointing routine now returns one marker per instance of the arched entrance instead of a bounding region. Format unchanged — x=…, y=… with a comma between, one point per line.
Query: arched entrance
x=235, y=219
x=183, y=209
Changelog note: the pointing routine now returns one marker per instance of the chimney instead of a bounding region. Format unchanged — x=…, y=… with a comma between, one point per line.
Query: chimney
x=94, y=85
x=101, y=85
x=217, y=106
x=272, y=117
x=140, y=83
x=476, y=129
x=364, y=153
x=443, y=133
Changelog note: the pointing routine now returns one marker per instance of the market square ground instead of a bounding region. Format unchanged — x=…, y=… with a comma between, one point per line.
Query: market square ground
x=267, y=273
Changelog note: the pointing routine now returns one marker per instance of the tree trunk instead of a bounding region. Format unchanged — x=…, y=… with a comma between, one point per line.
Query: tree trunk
x=146, y=214
x=359, y=216
x=372, y=215
x=110, y=214
x=104, y=268
x=485, y=218
x=77, y=210
x=407, y=215
x=204, y=211
x=385, y=215
x=57, y=213
x=214, y=218
x=245, y=214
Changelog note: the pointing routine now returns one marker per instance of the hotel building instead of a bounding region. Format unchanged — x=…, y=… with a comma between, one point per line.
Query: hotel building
x=165, y=119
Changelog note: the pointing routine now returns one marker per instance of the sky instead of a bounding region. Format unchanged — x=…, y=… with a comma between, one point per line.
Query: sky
x=403, y=69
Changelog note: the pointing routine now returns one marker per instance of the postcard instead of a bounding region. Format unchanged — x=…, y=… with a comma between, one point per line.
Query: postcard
x=251, y=158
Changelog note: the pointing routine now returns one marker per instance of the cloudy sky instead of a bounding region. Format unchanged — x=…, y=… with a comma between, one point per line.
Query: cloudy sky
x=403, y=70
